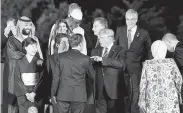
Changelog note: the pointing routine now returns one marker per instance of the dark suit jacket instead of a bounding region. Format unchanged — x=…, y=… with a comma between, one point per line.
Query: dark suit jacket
x=109, y=70
x=139, y=51
x=178, y=56
x=69, y=76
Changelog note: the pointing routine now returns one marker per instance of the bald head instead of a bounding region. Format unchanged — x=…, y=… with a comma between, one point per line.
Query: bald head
x=171, y=41
x=170, y=37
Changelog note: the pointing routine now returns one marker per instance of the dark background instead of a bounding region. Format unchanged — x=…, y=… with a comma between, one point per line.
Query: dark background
x=157, y=16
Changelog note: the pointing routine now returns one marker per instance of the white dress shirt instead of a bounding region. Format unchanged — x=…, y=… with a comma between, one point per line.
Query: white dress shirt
x=109, y=48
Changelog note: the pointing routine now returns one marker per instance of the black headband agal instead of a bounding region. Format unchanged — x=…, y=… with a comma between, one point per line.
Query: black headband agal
x=24, y=20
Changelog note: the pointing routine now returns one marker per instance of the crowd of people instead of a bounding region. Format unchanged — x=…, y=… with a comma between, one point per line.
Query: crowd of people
x=124, y=70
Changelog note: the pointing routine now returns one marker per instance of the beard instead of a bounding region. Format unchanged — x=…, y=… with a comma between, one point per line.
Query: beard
x=26, y=32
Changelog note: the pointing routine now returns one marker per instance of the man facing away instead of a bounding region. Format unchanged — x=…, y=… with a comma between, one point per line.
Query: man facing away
x=69, y=86
x=175, y=46
x=109, y=64
x=137, y=45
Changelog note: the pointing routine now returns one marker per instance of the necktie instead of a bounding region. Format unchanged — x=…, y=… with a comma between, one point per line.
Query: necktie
x=129, y=38
x=105, y=52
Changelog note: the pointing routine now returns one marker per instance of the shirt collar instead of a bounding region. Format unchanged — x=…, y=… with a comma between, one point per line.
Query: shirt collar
x=133, y=28
x=109, y=47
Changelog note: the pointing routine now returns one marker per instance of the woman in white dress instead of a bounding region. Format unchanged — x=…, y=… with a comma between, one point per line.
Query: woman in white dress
x=161, y=83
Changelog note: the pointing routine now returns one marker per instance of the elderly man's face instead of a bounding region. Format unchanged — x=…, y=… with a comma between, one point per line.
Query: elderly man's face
x=97, y=27
x=131, y=20
x=104, y=40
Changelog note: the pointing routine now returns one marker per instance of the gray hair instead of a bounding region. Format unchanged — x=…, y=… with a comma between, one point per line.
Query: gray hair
x=132, y=12
x=107, y=32
x=102, y=21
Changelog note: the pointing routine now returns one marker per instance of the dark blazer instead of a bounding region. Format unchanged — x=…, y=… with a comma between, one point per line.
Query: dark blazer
x=178, y=56
x=139, y=51
x=69, y=77
x=109, y=70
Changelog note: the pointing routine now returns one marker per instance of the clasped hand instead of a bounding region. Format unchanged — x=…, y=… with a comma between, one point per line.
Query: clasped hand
x=96, y=58
x=30, y=96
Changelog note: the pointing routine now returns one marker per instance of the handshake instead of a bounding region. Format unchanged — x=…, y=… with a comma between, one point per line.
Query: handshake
x=96, y=58
x=31, y=96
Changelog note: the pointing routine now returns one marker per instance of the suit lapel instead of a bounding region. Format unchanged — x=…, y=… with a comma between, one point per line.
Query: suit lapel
x=136, y=36
x=126, y=38
x=100, y=51
x=111, y=51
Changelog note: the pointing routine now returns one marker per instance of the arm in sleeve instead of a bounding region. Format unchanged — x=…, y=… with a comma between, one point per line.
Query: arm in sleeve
x=143, y=83
x=177, y=80
x=20, y=88
x=91, y=71
x=117, y=37
x=55, y=80
x=179, y=59
x=148, y=47
x=115, y=62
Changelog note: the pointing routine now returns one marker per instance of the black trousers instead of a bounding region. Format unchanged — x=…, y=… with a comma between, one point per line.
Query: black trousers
x=66, y=106
x=105, y=104
x=132, y=81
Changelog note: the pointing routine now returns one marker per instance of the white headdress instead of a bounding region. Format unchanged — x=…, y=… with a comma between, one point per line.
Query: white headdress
x=159, y=49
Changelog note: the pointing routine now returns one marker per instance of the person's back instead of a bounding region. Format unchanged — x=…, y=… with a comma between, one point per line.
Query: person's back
x=161, y=82
x=69, y=85
x=73, y=67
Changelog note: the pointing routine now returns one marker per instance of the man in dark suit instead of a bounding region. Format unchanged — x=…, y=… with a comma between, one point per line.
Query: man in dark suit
x=68, y=83
x=137, y=44
x=175, y=46
x=109, y=64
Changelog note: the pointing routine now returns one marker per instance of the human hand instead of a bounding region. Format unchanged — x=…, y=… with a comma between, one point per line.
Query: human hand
x=53, y=100
x=30, y=96
x=96, y=58
x=40, y=62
